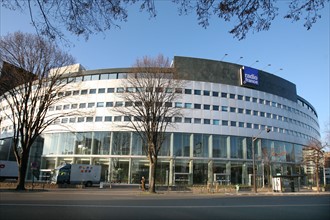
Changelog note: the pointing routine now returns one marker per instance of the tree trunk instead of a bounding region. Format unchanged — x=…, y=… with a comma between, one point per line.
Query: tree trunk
x=22, y=169
x=152, y=178
x=317, y=178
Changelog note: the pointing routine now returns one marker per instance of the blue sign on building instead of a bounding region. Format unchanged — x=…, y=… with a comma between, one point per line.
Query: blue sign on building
x=249, y=76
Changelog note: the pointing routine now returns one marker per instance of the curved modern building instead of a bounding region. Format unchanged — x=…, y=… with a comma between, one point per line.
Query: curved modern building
x=227, y=108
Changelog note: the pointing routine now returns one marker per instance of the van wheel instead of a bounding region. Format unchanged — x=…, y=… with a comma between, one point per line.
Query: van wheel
x=88, y=184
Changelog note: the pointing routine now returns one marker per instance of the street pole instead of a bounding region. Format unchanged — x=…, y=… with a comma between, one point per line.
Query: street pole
x=253, y=167
x=254, y=160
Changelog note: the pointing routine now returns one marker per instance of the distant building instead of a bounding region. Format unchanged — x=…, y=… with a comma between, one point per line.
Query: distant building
x=224, y=106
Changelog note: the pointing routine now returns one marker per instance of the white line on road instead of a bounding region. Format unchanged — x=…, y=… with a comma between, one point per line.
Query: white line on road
x=165, y=206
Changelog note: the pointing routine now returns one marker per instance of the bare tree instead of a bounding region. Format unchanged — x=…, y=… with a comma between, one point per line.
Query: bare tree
x=151, y=89
x=313, y=157
x=84, y=18
x=30, y=83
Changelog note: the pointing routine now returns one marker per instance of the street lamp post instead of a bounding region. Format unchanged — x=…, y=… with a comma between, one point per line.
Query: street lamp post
x=254, y=160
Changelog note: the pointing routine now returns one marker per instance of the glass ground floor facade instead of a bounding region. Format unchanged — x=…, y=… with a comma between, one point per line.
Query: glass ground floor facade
x=184, y=158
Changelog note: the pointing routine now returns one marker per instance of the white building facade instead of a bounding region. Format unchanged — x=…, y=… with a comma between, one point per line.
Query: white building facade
x=226, y=108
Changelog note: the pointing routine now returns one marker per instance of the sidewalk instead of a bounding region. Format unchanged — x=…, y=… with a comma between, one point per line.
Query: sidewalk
x=134, y=190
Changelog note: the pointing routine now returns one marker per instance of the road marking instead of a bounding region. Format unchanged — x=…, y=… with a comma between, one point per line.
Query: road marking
x=157, y=206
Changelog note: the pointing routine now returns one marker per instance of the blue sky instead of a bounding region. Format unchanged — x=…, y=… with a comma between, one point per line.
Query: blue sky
x=303, y=55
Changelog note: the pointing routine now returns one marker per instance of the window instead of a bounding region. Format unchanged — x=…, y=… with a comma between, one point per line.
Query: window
x=108, y=118
x=197, y=120
x=122, y=76
x=224, y=108
x=110, y=90
x=95, y=77
x=207, y=107
x=239, y=97
x=82, y=105
x=255, y=113
x=100, y=104
x=79, y=79
x=240, y=110
x=68, y=93
x=112, y=75
x=215, y=94
x=75, y=92
x=127, y=118
x=72, y=120
x=233, y=123
x=64, y=120
x=256, y=126
x=119, y=104
x=59, y=107
x=67, y=106
x=248, y=111
x=247, y=98
x=177, y=119
x=117, y=118
x=197, y=92
x=223, y=95
x=224, y=122
x=255, y=100
x=128, y=104
x=178, y=105
x=168, y=90
x=249, y=125
x=232, y=109
x=241, y=124
x=104, y=76
x=91, y=105
x=215, y=108
x=187, y=91
x=188, y=105
x=232, y=96
x=89, y=119
x=81, y=119
x=187, y=120
x=178, y=90
x=168, y=104
x=83, y=92
x=206, y=93
x=120, y=90
x=216, y=122
x=92, y=91
x=262, y=114
x=130, y=89
x=109, y=104
x=197, y=106
x=51, y=108
x=261, y=101
x=207, y=121
x=101, y=90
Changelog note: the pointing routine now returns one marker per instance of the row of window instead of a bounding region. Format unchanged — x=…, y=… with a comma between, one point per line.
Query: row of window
x=109, y=76
x=188, y=106
x=184, y=120
x=196, y=92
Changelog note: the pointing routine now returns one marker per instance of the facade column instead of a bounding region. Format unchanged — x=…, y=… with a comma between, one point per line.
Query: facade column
x=171, y=172
x=191, y=173
x=210, y=172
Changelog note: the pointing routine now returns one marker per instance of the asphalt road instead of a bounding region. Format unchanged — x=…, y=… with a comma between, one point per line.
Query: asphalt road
x=100, y=205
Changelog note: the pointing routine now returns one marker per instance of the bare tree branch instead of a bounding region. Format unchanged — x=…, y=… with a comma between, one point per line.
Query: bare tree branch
x=30, y=83
x=148, y=110
x=84, y=17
